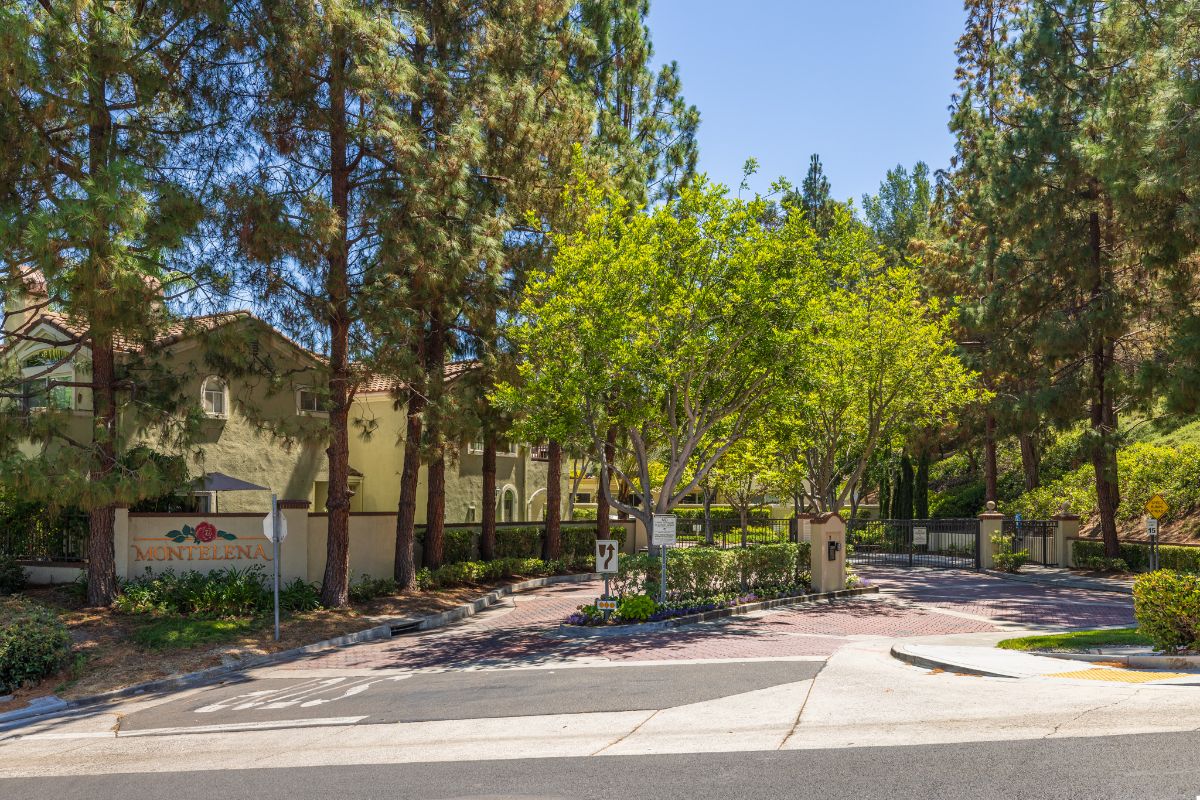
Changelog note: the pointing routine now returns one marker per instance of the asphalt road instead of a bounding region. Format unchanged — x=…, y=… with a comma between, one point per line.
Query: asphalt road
x=421, y=697
x=1158, y=766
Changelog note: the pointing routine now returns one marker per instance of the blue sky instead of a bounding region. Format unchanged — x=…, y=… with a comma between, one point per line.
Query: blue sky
x=865, y=83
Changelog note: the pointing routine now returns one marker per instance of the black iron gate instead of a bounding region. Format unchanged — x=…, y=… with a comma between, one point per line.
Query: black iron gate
x=1036, y=536
x=945, y=543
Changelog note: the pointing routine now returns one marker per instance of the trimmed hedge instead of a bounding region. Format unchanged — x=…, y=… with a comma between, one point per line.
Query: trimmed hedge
x=690, y=515
x=525, y=541
x=1167, y=606
x=1137, y=556
x=468, y=572
x=703, y=573
x=33, y=643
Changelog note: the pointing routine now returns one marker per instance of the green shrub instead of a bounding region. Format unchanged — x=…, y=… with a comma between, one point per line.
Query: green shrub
x=471, y=572
x=1102, y=564
x=12, y=576
x=519, y=542
x=1137, y=556
x=958, y=502
x=33, y=643
x=691, y=515
x=1142, y=470
x=369, y=588
x=635, y=608
x=583, y=513
x=1167, y=607
x=299, y=595
x=698, y=574
x=228, y=592
x=1005, y=558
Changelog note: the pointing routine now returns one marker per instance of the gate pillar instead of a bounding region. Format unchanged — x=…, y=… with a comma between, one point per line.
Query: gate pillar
x=827, y=556
x=991, y=523
x=1065, y=534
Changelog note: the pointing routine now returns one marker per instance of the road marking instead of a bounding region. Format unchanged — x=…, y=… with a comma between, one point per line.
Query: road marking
x=305, y=695
x=233, y=727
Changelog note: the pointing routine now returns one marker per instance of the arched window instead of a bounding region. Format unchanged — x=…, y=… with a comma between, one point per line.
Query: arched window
x=214, y=397
x=508, y=505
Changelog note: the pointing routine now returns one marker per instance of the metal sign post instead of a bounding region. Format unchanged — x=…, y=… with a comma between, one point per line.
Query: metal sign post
x=607, y=562
x=1157, y=507
x=275, y=529
x=662, y=534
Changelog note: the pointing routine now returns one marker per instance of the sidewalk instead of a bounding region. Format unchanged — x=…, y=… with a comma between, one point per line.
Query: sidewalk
x=996, y=663
x=1067, y=579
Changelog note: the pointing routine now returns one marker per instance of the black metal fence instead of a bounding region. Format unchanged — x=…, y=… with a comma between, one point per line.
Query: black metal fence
x=1036, y=536
x=945, y=543
x=727, y=533
x=44, y=536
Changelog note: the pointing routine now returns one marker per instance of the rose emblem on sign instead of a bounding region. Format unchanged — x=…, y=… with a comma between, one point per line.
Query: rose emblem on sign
x=203, y=533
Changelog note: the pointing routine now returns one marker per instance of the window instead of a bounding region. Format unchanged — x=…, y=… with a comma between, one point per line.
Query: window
x=204, y=502
x=38, y=394
x=508, y=507
x=583, y=497
x=214, y=397
x=471, y=512
x=308, y=401
x=540, y=452
x=504, y=447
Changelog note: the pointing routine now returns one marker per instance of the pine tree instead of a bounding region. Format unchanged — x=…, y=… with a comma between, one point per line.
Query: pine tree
x=312, y=209
x=108, y=117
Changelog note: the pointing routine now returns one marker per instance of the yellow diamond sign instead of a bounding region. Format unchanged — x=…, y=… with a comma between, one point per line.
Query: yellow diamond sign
x=1157, y=506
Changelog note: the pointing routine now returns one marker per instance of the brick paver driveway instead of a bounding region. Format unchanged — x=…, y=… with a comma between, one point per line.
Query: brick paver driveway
x=912, y=603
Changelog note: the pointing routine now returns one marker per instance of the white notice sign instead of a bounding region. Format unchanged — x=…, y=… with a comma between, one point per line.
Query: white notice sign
x=606, y=555
x=663, y=532
x=268, y=528
x=921, y=537
x=1152, y=527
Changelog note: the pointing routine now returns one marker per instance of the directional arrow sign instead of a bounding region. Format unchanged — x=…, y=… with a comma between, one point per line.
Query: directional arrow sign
x=606, y=555
x=1157, y=507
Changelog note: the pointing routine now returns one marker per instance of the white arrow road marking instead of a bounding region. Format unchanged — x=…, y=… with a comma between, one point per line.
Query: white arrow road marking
x=304, y=695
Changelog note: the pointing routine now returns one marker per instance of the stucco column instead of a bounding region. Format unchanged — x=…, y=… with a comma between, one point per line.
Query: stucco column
x=802, y=525
x=121, y=541
x=1064, y=536
x=294, y=549
x=827, y=574
x=991, y=523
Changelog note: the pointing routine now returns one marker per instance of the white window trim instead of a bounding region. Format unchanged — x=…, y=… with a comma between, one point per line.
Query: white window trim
x=475, y=448
x=224, y=399
x=303, y=412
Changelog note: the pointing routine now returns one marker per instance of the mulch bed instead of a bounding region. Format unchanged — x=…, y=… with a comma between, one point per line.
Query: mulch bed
x=106, y=657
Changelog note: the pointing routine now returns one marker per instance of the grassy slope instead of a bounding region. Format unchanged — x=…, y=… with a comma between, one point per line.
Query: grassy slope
x=1077, y=641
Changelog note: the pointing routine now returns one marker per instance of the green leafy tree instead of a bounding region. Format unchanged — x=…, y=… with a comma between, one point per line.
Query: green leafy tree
x=677, y=326
x=899, y=214
x=107, y=117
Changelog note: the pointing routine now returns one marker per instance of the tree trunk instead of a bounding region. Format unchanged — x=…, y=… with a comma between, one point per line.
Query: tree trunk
x=435, y=512
x=335, y=587
x=603, y=526
x=1103, y=414
x=989, y=460
x=1030, y=461
x=404, y=569
x=487, y=535
x=708, y=531
x=885, y=496
x=435, y=509
x=101, y=568
x=744, y=519
x=552, y=544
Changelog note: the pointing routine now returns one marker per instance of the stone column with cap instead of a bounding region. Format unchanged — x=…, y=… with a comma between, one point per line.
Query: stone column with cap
x=991, y=524
x=1065, y=533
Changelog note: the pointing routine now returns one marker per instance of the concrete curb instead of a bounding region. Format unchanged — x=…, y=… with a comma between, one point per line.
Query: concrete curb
x=1130, y=661
x=1067, y=583
x=385, y=630
x=588, y=632
x=901, y=653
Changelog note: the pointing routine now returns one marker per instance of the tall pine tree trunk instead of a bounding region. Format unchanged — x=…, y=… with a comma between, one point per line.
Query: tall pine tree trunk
x=1103, y=413
x=404, y=568
x=1030, y=463
x=989, y=461
x=435, y=507
x=335, y=587
x=552, y=546
x=101, y=569
x=487, y=538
